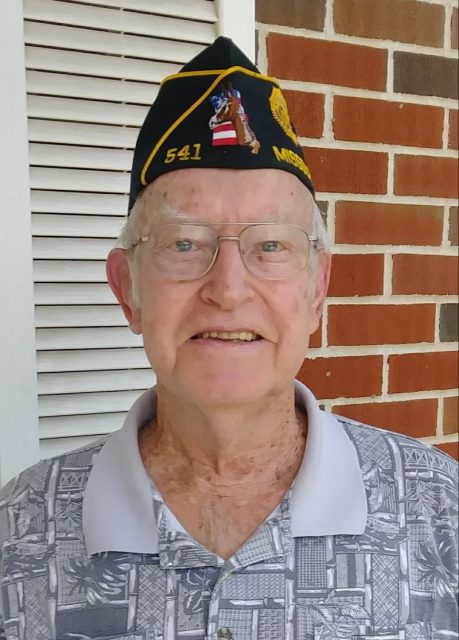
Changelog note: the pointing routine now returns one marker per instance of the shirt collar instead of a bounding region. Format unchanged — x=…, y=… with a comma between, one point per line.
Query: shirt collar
x=327, y=496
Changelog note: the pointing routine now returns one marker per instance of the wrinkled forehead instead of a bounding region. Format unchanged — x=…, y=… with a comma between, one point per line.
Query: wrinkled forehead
x=222, y=195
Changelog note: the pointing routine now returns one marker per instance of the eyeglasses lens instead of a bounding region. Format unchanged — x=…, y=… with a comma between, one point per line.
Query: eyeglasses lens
x=270, y=251
x=274, y=251
x=184, y=251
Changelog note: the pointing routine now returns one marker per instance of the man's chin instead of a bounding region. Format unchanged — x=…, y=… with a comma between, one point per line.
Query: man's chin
x=222, y=389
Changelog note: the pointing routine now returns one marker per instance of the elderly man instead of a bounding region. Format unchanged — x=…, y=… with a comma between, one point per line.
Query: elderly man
x=229, y=505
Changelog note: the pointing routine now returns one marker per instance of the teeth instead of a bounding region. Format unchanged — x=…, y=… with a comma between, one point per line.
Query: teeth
x=248, y=336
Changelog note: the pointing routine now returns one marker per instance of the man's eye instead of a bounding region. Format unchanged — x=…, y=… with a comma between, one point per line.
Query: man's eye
x=183, y=246
x=271, y=246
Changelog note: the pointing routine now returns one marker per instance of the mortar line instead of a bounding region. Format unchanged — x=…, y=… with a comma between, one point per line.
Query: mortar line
x=447, y=31
x=387, y=276
x=262, y=50
x=385, y=376
x=395, y=397
x=390, y=173
x=329, y=34
x=446, y=227
x=437, y=323
x=331, y=222
x=329, y=29
x=380, y=147
x=390, y=72
x=418, y=348
x=362, y=92
x=328, y=134
x=440, y=414
x=445, y=136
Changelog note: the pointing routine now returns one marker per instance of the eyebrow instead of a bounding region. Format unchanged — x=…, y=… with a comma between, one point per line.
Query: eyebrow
x=171, y=214
x=168, y=213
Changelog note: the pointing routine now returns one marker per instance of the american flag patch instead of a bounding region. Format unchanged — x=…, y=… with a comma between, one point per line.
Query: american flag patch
x=224, y=134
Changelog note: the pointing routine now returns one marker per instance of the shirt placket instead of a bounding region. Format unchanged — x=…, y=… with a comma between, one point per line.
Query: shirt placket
x=266, y=555
x=191, y=574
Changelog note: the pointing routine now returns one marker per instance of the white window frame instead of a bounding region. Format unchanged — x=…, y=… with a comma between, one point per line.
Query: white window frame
x=18, y=384
x=236, y=19
x=19, y=434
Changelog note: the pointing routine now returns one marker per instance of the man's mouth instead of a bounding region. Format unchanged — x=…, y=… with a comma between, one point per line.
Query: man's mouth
x=245, y=336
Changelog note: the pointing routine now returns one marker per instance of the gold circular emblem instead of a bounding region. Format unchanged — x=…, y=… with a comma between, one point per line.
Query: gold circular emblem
x=279, y=110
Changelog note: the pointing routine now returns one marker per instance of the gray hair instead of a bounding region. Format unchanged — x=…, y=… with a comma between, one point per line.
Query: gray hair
x=323, y=245
x=132, y=231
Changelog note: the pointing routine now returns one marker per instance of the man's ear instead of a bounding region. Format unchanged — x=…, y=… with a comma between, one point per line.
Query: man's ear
x=120, y=281
x=321, y=288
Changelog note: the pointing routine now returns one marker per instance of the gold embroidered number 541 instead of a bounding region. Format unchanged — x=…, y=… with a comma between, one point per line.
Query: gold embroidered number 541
x=188, y=152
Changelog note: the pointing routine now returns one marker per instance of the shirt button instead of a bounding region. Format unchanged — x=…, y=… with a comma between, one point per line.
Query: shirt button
x=224, y=634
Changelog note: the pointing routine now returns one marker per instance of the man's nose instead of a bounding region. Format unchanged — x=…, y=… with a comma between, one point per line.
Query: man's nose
x=228, y=283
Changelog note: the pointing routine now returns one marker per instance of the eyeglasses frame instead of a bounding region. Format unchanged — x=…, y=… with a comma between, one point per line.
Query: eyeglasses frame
x=313, y=240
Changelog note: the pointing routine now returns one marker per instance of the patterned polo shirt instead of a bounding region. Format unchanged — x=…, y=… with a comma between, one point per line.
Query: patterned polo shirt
x=361, y=548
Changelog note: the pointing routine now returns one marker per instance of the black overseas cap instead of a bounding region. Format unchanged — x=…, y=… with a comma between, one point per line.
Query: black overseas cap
x=220, y=112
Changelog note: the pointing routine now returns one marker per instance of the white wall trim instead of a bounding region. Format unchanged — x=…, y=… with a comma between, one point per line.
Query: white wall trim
x=18, y=387
x=236, y=19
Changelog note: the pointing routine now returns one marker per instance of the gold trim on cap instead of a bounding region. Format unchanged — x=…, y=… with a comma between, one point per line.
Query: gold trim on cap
x=222, y=73
x=217, y=72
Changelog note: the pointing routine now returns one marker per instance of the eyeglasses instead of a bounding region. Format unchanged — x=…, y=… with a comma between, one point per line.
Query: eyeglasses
x=187, y=251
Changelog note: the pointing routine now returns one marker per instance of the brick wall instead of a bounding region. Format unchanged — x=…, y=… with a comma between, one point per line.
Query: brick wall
x=372, y=87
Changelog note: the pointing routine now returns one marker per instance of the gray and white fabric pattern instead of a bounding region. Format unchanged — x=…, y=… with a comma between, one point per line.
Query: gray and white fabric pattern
x=395, y=579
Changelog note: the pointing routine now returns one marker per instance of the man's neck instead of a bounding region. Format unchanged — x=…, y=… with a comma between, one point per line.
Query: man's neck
x=230, y=446
x=222, y=472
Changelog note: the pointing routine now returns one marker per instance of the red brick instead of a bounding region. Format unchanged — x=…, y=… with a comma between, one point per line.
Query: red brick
x=425, y=75
x=416, y=418
x=357, y=275
x=426, y=176
x=306, y=112
x=341, y=171
x=450, y=415
x=315, y=341
x=453, y=226
x=292, y=13
x=364, y=120
x=380, y=324
x=436, y=275
x=454, y=29
x=423, y=371
x=325, y=61
x=449, y=322
x=403, y=20
x=381, y=223
x=451, y=448
x=348, y=376
x=453, y=130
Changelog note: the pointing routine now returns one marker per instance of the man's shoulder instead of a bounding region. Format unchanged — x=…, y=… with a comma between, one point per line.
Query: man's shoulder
x=386, y=448
x=48, y=480
x=41, y=517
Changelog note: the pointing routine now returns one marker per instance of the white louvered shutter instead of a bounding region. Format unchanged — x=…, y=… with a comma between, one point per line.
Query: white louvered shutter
x=93, y=69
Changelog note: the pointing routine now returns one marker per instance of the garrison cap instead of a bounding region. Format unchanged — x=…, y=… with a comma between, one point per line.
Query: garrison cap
x=218, y=111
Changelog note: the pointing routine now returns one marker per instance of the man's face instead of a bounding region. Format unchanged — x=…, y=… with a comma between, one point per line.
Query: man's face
x=173, y=315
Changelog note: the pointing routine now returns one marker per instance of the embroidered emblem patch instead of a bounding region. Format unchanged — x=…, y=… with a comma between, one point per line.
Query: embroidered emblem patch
x=279, y=110
x=230, y=123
